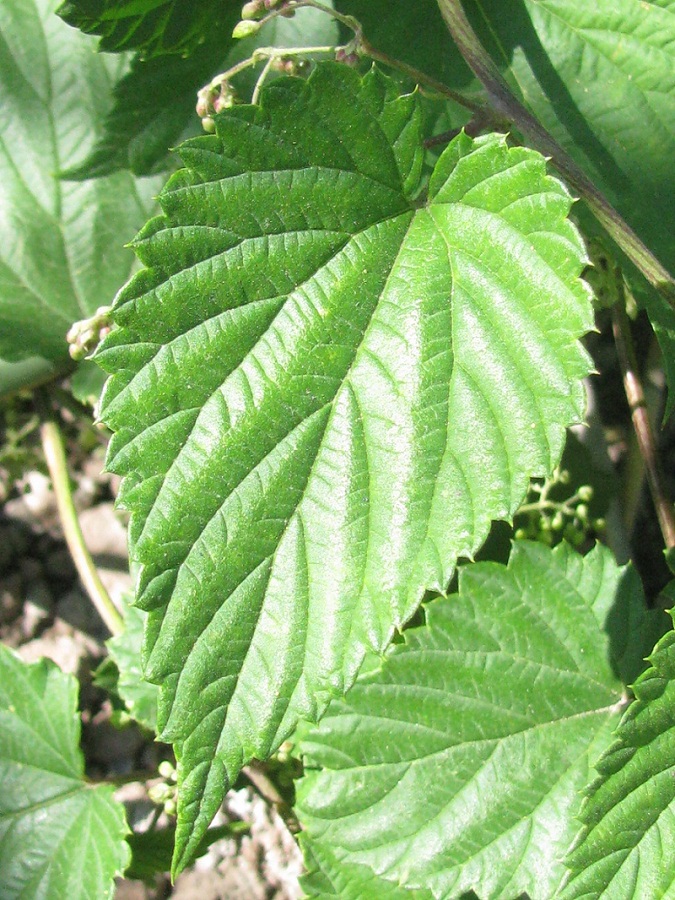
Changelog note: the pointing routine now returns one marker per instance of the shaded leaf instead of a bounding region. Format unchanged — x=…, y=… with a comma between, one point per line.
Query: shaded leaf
x=61, y=245
x=59, y=835
x=139, y=696
x=151, y=851
x=456, y=763
x=151, y=26
x=155, y=101
x=627, y=846
x=307, y=433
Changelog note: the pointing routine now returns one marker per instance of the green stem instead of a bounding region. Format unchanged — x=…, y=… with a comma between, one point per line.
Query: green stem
x=507, y=105
x=55, y=455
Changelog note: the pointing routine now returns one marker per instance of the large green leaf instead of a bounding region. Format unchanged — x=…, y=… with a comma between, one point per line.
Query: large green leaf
x=152, y=26
x=627, y=846
x=59, y=835
x=456, y=762
x=61, y=245
x=324, y=390
x=155, y=101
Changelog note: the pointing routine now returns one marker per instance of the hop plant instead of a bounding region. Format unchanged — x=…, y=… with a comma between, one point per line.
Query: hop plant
x=548, y=520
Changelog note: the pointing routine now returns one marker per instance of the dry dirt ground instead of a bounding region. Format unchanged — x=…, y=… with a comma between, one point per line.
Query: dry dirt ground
x=44, y=612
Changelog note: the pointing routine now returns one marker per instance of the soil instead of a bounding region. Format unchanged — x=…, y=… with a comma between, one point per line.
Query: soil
x=44, y=612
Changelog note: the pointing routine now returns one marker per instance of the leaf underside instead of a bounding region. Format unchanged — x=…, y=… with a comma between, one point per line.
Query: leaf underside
x=627, y=846
x=324, y=390
x=59, y=836
x=456, y=763
x=62, y=250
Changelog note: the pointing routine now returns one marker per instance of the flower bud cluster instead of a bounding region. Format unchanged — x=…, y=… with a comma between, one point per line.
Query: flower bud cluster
x=165, y=793
x=257, y=9
x=212, y=99
x=346, y=56
x=548, y=520
x=85, y=336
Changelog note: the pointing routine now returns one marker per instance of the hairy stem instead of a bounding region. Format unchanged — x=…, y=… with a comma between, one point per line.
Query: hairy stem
x=507, y=105
x=642, y=424
x=55, y=455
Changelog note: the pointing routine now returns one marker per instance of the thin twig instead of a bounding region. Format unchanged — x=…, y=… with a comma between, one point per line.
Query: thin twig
x=642, y=424
x=507, y=105
x=55, y=456
x=267, y=789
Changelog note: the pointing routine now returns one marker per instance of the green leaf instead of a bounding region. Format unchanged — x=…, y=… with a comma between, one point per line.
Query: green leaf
x=599, y=77
x=415, y=34
x=626, y=848
x=154, y=27
x=87, y=383
x=30, y=371
x=61, y=245
x=139, y=696
x=329, y=877
x=456, y=762
x=151, y=850
x=298, y=429
x=59, y=835
x=155, y=101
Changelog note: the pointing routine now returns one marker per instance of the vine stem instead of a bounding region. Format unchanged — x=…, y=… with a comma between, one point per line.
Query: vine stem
x=642, y=425
x=507, y=105
x=55, y=456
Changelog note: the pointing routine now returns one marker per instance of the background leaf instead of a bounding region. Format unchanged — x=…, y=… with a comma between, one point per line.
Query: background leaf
x=601, y=78
x=155, y=101
x=139, y=696
x=308, y=434
x=627, y=846
x=152, y=26
x=61, y=245
x=59, y=835
x=456, y=762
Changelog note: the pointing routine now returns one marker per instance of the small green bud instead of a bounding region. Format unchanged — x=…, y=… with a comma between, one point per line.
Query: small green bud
x=545, y=524
x=585, y=493
x=582, y=512
x=245, y=29
x=160, y=793
x=520, y=534
x=84, y=336
x=599, y=525
x=252, y=9
x=558, y=522
x=208, y=125
x=563, y=476
x=166, y=770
